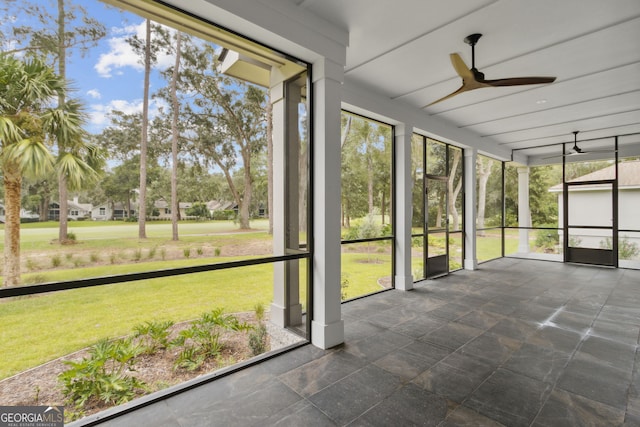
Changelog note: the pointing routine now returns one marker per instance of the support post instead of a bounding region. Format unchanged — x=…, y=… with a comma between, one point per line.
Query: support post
x=524, y=213
x=327, y=326
x=470, y=209
x=404, y=207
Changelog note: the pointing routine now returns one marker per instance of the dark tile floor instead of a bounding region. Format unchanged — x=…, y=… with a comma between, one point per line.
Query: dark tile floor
x=515, y=343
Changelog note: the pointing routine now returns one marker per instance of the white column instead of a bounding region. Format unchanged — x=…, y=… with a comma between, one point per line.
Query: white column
x=524, y=213
x=404, y=207
x=470, y=179
x=286, y=309
x=327, y=327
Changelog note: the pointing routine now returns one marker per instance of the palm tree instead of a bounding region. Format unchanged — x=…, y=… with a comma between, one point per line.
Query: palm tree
x=28, y=125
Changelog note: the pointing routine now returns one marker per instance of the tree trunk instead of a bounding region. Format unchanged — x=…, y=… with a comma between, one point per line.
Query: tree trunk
x=174, y=142
x=246, y=196
x=303, y=174
x=12, y=188
x=369, y=176
x=142, y=200
x=453, y=193
x=64, y=208
x=484, y=171
x=62, y=72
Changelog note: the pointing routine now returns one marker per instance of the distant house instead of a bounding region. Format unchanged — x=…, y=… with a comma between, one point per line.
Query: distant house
x=76, y=210
x=591, y=205
x=221, y=205
x=163, y=207
x=112, y=211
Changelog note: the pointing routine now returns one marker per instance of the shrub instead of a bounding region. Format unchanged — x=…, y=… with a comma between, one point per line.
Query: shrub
x=200, y=251
x=626, y=249
x=217, y=251
x=71, y=236
x=56, y=261
x=199, y=210
x=31, y=264
x=94, y=257
x=186, y=252
x=201, y=341
x=104, y=375
x=258, y=335
x=152, y=252
x=547, y=239
x=153, y=336
x=224, y=215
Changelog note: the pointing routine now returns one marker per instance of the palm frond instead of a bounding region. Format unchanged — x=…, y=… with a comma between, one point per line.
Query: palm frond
x=32, y=157
x=9, y=132
x=78, y=172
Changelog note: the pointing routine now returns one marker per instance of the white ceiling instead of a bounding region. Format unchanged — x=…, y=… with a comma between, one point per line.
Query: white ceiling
x=401, y=49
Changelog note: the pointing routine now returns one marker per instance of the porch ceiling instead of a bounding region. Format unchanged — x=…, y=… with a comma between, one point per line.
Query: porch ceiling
x=401, y=50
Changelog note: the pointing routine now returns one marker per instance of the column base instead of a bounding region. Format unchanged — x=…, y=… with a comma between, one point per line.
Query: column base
x=404, y=283
x=327, y=336
x=470, y=264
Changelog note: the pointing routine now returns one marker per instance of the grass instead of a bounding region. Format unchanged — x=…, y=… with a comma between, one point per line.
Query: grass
x=81, y=317
x=55, y=324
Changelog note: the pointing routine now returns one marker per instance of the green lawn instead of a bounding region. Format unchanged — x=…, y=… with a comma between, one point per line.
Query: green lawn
x=41, y=328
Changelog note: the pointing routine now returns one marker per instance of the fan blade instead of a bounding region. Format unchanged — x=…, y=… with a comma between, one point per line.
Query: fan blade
x=460, y=67
x=518, y=81
x=461, y=89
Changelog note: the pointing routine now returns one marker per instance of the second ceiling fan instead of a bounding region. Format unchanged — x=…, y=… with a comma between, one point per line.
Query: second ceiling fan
x=474, y=79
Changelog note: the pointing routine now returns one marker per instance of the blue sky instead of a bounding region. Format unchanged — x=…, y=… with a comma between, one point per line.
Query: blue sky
x=110, y=75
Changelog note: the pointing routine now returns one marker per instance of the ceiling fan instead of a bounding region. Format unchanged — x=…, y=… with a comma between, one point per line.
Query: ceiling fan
x=575, y=150
x=474, y=79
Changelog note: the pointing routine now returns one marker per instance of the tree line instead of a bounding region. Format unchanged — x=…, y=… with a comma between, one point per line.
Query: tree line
x=209, y=122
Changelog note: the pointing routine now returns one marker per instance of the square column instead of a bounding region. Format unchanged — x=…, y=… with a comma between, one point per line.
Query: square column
x=327, y=326
x=524, y=213
x=470, y=209
x=404, y=207
x=286, y=309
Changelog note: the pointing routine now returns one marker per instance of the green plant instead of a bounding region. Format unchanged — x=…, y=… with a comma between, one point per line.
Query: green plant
x=153, y=336
x=94, y=257
x=137, y=255
x=163, y=253
x=190, y=359
x=68, y=256
x=258, y=339
x=626, y=249
x=152, y=252
x=71, y=236
x=113, y=258
x=344, y=284
x=217, y=251
x=186, y=252
x=104, y=375
x=31, y=264
x=56, y=261
x=202, y=339
x=258, y=335
x=547, y=239
x=200, y=251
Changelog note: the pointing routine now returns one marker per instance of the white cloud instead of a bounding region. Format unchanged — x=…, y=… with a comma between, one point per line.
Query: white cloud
x=94, y=93
x=121, y=55
x=99, y=113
